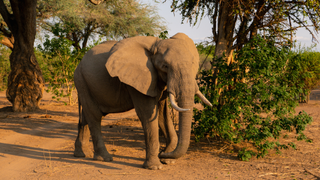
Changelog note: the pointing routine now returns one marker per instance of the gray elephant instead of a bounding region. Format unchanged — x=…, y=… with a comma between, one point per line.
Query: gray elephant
x=140, y=73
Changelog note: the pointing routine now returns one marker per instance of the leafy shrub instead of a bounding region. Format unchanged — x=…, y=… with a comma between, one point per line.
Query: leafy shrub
x=4, y=67
x=59, y=61
x=254, y=98
x=311, y=64
x=206, y=52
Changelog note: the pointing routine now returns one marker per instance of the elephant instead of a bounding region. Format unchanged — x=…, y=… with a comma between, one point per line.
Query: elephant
x=139, y=72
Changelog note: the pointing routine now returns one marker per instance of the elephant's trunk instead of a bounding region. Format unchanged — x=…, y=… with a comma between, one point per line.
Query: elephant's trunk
x=185, y=101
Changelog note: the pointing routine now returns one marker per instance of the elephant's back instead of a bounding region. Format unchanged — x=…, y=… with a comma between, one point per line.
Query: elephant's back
x=92, y=65
x=106, y=90
x=102, y=48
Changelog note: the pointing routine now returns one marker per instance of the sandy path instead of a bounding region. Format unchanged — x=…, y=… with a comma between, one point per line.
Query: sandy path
x=21, y=152
x=39, y=145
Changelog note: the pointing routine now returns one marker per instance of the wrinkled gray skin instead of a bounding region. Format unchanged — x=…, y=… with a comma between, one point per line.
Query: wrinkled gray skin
x=138, y=72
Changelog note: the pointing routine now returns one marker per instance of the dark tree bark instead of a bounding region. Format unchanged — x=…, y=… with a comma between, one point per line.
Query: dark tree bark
x=25, y=82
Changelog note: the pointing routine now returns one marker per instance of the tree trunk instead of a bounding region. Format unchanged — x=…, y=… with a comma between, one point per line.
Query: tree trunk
x=225, y=30
x=223, y=36
x=25, y=82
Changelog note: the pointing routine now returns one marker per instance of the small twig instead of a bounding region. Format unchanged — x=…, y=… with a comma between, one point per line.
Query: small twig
x=223, y=148
x=44, y=156
x=316, y=175
x=268, y=174
x=122, y=173
x=208, y=140
x=50, y=161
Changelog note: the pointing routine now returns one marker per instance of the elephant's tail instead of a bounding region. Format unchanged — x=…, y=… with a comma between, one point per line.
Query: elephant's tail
x=80, y=110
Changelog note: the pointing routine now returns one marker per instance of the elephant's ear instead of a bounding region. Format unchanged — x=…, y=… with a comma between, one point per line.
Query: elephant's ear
x=130, y=61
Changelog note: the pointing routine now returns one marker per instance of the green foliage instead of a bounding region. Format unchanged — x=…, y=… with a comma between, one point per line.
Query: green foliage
x=254, y=99
x=59, y=62
x=111, y=19
x=245, y=155
x=206, y=53
x=206, y=49
x=4, y=67
x=311, y=65
x=164, y=35
x=235, y=23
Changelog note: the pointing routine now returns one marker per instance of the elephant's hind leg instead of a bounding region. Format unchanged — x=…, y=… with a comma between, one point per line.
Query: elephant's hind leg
x=82, y=142
x=91, y=120
x=94, y=122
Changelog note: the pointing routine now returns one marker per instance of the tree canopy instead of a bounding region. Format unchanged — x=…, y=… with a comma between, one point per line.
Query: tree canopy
x=236, y=22
x=82, y=20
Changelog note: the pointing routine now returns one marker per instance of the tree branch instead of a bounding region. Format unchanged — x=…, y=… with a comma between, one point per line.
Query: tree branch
x=214, y=22
x=7, y=42
x=5, y=14
x=4, y=30
x=298, y=21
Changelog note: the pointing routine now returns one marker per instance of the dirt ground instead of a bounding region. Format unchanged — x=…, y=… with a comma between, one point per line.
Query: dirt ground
x=39, y=145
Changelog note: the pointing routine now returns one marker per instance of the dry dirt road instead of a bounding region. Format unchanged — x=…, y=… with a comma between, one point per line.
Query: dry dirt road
x=39, y=145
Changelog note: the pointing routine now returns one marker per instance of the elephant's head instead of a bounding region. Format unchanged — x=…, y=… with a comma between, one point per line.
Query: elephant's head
x=147, y=62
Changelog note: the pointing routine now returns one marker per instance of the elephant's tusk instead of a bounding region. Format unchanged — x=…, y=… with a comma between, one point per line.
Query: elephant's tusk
x=203, y=99
x=174, y=104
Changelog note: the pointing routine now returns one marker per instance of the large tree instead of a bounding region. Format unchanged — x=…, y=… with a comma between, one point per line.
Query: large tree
x=81, y=20
x=20, y=19
x=6, y=36
x=25, y=82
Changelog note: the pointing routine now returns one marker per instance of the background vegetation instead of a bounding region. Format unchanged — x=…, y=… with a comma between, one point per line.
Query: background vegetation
x=255, y=97
x=255, y=84
x=4, y=67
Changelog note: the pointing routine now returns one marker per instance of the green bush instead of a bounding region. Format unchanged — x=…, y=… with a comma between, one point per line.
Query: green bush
x=4, y=67
x=254, y=98
x=311, y=64
x=206, y=52
x=59, y=63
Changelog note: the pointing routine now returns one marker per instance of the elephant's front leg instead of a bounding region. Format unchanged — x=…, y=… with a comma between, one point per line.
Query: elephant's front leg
x=167, y=128
x=147, y=110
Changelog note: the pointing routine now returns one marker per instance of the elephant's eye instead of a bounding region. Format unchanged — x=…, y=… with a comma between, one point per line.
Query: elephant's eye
x=164, y=67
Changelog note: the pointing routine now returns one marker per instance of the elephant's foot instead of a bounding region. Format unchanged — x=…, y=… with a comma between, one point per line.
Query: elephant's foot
x=82, y=152
x=168, y=161
x=153, y=164
x=103, y=157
